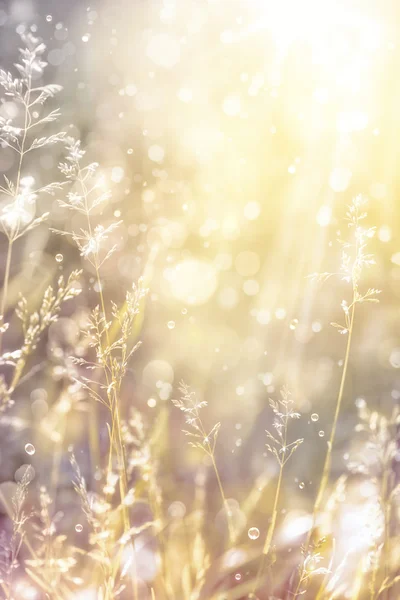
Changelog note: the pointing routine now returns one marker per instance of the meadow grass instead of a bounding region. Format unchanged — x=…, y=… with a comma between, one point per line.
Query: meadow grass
x=123, y=507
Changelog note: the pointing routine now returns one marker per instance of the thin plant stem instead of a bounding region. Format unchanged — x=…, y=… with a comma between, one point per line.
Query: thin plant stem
x=27, y=120
x=328, y=457
x=114, y=409
x=208, y=445
x=271, y=531
x=5, y=288
x=272, y=525
x=116, y=430
x=224, y=500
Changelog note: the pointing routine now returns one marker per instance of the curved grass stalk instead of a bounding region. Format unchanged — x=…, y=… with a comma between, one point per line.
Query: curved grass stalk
x=116, y=421
x=15, y=219
x=10, y=235
x=204, y=441
x=279, y=447
x=231, y=529
x=113, y=366
x=328, y=457
x=115, y=427
x=4, y=293
x=270, y=534
x=350, y=272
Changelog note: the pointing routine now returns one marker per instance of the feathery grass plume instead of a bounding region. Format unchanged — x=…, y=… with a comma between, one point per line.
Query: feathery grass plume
x=112, y=359
x=112, y=352
x=112, y=355
x=18, y=196
x=309, y=568
x=87, y=194
x=282, y=449
x=33, y=326
x=205, y=440
x=354, y=260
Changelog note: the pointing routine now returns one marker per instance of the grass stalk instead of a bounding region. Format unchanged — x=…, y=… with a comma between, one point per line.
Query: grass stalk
x=328, y=457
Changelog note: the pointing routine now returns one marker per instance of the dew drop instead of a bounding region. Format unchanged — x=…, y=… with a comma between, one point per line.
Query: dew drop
x=301, y=485
x=253, y=533
x=293, y=324
x=314, y=417
x=59, y=258
x=78, y=528
x=130, y=151
x=171, y=324
x=238, y=576
x=30, y=449
x=49, y=18
x=321, y=433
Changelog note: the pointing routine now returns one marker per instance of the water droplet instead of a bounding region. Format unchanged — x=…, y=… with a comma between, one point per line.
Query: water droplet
x=171, y=324
x=130, y=151
x=49, y=18
x=30, y=449
x=321, y=433
x=253, y=533
x=301, y=485
x=238, y=576
x=314, y=417
x=184, y=311
x=293, y=324
x=59, y=258
x=78, y=528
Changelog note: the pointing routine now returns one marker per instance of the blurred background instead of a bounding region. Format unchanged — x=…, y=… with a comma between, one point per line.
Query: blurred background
x=233, y=133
